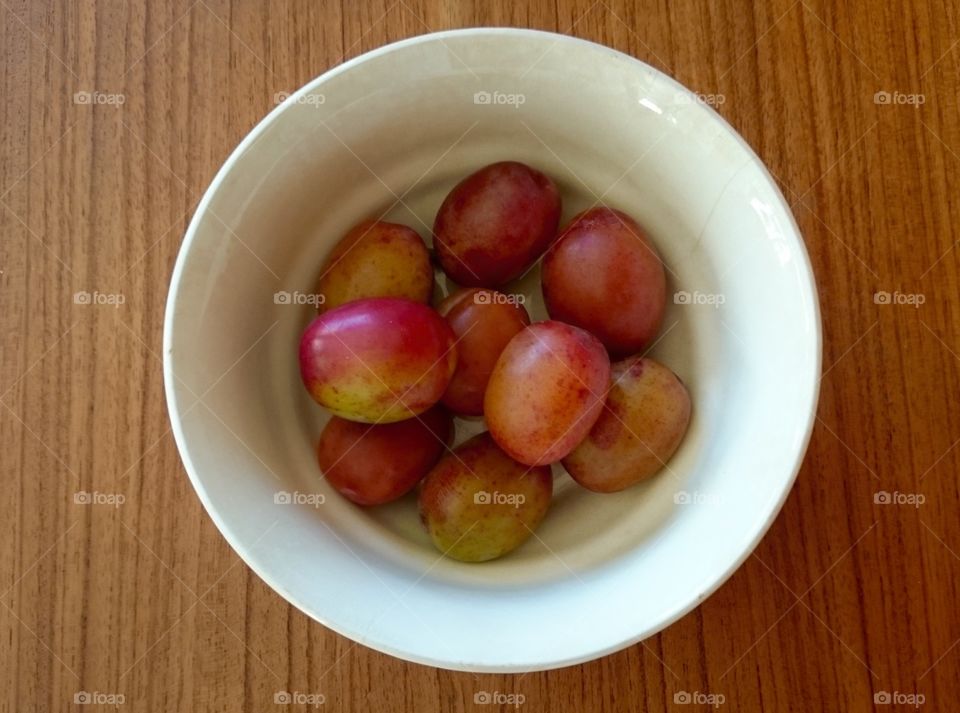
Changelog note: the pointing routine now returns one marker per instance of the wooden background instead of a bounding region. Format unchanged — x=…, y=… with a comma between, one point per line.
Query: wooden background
x=844, y=600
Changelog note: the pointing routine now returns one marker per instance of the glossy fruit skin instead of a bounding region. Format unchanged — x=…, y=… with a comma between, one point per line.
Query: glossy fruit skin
x=480, y=504
x=604, y=274
x=376, y=259
x=378, y=360
x=372, y=465
x=546, y=391
x=643, y=422
x=484, y=321
x=495, y=224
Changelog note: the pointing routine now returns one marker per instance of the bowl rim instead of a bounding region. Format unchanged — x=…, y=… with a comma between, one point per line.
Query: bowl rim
x=685, y=605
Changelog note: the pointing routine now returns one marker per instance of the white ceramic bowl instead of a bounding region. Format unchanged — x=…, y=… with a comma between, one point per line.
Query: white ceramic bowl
x=408, y=121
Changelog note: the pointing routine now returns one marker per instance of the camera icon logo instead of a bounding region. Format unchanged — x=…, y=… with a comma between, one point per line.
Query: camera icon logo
x=882, y=497
x=282, y=698
x=282, y=498
x=482, y=98
x=482, y=498
x=682, y=298
x=682, y=698
x=882, y=97
x=482, y=698
x=81, y=698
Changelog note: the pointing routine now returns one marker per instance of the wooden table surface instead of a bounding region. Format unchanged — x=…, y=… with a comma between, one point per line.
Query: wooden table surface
x=141, y=603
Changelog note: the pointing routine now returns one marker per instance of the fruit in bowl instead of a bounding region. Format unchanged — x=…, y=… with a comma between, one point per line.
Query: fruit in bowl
x=484, y=322
x=495, y=223
x=378, y=360
x=546, y=391
x=383, y=362
x=479, y=504
x=376, y=259
x=640, y=428
x=372, y=464
x=604, y=274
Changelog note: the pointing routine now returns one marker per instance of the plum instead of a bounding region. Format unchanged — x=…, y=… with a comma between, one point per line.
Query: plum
x=376, y=259
x=378, y=360
x=372, y=465
x=623, y=299
x=642, y=424
x=478, y=504
x=484, y=321
x=546, y=391
x=495, y=224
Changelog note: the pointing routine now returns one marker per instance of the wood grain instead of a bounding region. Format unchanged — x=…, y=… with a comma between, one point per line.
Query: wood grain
x=843, y=600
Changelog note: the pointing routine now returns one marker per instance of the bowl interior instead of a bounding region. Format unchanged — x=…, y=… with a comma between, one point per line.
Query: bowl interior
x=388, y=135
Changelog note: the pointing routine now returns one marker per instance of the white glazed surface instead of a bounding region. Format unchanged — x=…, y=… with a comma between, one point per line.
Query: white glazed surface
x=604, y=571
